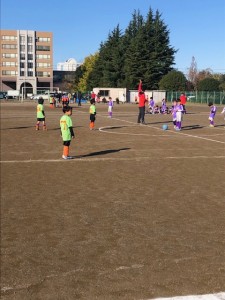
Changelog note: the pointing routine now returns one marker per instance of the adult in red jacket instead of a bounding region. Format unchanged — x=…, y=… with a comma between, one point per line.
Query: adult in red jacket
x=183, y=100
x=142, y=100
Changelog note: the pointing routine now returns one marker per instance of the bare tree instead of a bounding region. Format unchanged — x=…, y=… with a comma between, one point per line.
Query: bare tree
x=193, y=73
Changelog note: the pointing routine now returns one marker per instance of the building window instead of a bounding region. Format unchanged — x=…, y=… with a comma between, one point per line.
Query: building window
x=22, y=73
x=30, y=56
x=9, y=46
x=9, y=73
x=9, y=55
x=22, y=48
x=30, y=39
x=43, y=48
x=9, y=63
x=9, y=38
x=43, y=74
x=22, y=39
x=44, y=39
x=30, y=65
x=39, y=74
x=22, y=65
x=104, y=93
x=22, y=56
x=43, y=65
x=43, y=56
x=30, y=73
x=30, y=48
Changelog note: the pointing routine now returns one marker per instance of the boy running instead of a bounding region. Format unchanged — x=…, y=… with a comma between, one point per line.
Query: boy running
x=212, y=114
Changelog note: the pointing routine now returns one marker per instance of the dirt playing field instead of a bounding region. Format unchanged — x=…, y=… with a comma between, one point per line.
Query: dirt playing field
x=139, y=213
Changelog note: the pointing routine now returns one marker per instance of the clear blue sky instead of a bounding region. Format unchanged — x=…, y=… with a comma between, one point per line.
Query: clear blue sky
x=197, y=27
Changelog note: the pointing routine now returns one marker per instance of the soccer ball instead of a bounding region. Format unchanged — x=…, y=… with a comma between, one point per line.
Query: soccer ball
x=165, y=127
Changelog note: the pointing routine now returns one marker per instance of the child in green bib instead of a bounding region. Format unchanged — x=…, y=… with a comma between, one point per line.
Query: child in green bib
x=67, y=133
x=40, y=114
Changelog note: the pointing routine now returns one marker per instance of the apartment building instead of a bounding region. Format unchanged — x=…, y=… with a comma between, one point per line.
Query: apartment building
x=26, y=61
x=70, y=65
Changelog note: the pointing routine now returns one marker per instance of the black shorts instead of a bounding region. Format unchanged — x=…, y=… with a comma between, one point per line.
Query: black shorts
x=41, y=119
x=92, y=117
x=66, y=143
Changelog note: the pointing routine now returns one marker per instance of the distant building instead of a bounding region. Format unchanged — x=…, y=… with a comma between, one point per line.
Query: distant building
x=26, y=61
x=70, y=65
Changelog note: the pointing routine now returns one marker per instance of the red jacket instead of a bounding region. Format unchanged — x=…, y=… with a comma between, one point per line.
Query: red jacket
x=183, y=99
x=142, y=99
x=141, y=95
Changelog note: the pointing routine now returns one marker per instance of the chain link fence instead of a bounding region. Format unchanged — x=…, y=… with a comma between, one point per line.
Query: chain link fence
x=199, y=96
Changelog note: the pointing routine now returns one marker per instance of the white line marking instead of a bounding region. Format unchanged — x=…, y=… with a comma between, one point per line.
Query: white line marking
x=218, y=296
x=78, y=159
x=104, y=129
x=124, y=133
x=175, y=132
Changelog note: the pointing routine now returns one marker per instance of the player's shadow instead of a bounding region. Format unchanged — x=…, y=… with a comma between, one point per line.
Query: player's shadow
x=20, y=127
x=115, y=127
x=152, y=123
x=58, y=128
x=191, y=127
x=104, y=152
x=222, y=125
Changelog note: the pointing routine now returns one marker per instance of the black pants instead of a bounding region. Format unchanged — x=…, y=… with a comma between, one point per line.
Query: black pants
x=141, y=116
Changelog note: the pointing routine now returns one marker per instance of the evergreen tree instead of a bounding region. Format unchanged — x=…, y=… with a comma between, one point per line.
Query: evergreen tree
x=160, y=56
x=108, y=66
x=142, y=52
x=133, y=57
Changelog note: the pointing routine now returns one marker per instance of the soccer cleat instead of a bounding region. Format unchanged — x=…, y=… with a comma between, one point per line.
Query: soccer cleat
x=66, y=157
x=211, y=125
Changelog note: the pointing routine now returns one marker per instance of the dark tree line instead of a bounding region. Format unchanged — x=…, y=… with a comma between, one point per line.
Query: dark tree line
x=143, y=51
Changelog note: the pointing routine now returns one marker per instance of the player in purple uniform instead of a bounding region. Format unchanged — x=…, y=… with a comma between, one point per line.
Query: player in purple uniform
x=174, y=113
x=151, y=105
x=179, y=114
x=163, y=108
x=223, y=112
x=212, y=114
x=110, y=107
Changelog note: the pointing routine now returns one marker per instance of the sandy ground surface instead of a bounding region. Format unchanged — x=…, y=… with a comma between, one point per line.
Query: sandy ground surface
x=139, y=213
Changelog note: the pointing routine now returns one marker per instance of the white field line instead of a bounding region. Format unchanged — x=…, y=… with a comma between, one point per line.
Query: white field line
x=175, y=132
x=104, y=129
x=218, y=296
x=78, y=159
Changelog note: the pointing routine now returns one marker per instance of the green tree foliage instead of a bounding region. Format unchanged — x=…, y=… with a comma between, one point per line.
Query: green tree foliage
x=107, y=70
x=173, y=81
x=222, y=86
x=142, y=52
x=134, y=51
x=208, y=84
x=81, y=82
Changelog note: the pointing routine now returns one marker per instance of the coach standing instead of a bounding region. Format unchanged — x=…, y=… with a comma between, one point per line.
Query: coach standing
x=142, y=100
x=183, y=100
